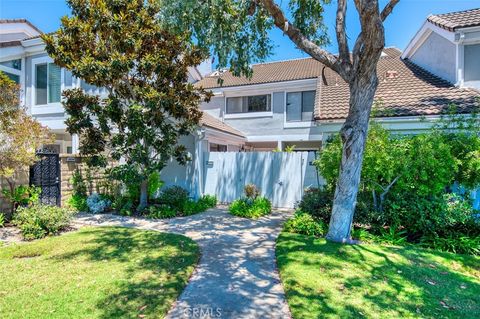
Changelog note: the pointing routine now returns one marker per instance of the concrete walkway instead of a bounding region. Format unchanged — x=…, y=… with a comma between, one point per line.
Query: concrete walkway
x=236, y=276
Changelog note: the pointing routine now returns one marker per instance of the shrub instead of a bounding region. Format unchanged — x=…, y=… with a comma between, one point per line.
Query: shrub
x=454, y=243
x=251, y=208
x=124, y=205
x=161, y=211
x=251, y=191
x=208, y=201
x=317, y=203
x=78, y=203
x=97, y=203
x=174, y=196
x=23, y=195
x=303, y=223
x=433, y=215
x=38, y=221
x=79, y=186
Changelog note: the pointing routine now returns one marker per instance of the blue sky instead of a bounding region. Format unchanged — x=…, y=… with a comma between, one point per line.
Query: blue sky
x=400, y=27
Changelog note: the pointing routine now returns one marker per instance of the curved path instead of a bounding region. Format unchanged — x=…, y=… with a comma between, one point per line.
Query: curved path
x=236, y=276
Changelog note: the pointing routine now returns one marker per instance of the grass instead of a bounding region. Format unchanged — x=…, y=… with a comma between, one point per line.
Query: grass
x=327, y=280
x=105, y=272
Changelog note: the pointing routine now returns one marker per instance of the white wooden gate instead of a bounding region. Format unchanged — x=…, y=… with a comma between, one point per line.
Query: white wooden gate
x=282, y=177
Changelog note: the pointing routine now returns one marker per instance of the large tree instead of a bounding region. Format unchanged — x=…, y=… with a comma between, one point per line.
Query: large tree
x=120, y=46
x=20, y=134
x=237, y=32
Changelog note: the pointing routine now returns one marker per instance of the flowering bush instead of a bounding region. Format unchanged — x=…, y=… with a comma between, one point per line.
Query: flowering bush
x=98, y=204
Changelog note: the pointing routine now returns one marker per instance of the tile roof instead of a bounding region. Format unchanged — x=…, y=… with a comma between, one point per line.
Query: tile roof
x=212, y=122
x=4, y=21
x=280, y=71
x=405, y=89
x=456, y=20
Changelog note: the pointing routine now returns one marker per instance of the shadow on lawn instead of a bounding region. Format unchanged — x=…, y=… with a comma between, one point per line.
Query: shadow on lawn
x=386, y=282
x=155, y=276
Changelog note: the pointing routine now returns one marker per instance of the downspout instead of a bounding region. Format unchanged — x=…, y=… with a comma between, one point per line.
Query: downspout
x=199, y=160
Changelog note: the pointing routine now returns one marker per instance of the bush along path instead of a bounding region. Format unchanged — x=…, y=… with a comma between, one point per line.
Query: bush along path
x=236, y=276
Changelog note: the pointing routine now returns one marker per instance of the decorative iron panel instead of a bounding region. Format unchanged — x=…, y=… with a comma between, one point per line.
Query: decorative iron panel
x=45, y=173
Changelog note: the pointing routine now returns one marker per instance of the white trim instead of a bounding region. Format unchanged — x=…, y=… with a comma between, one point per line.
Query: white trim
x=55, y=107
x=286, y=138
x=422, y=35
x=248, y=114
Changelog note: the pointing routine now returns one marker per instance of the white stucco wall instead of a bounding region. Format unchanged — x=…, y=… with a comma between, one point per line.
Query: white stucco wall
x=437, y=55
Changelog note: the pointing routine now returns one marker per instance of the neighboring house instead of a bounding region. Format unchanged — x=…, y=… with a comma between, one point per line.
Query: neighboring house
x=448, y=45
x=24, y=59
x=301, y=102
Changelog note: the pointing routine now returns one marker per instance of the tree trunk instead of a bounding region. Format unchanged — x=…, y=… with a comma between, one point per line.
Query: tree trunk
x=11, y=185
x=354, y=135
x=143, y=196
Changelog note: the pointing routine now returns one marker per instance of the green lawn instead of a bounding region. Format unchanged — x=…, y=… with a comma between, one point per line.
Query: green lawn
x=327, y=280
x=95, y=273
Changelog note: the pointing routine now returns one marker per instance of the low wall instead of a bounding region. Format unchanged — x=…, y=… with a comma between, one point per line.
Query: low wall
x=95, y=177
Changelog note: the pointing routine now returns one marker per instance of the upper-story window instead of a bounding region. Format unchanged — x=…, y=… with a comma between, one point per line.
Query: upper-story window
x=12, y=68
x=300, y=106
x=249, y=104
x=48, y=83
x=472, y=65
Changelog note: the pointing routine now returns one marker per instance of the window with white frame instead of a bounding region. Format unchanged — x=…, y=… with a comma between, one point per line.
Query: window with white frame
x=48, y=83
x=249, y=104
x=472, y=65
x=12, y=68
x=300, y=106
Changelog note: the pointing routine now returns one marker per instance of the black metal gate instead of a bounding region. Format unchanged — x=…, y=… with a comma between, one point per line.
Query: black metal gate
x=45, y=173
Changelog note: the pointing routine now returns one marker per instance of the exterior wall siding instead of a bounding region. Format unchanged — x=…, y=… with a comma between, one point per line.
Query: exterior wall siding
x=437, y=55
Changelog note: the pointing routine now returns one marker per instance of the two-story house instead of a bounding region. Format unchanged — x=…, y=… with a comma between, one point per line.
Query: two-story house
x=448, y=45
x=24, y=59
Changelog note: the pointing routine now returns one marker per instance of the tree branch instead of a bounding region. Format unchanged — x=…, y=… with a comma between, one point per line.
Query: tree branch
x=303, y=42
x=388, y=9
x=344, y=52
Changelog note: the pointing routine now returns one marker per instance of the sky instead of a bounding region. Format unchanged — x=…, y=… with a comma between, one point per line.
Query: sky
x=401, y=26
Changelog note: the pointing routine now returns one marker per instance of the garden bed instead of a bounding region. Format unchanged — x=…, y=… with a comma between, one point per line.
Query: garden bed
x=96, y=272
x=328, y=280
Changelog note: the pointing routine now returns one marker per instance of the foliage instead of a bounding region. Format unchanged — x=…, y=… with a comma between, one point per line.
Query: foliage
x=174, y=201
x=154, y=184
x=251, y=191
x=238, y=31
x=125, y=273
x=79, y=186
x=393, y=236
x=38, y=221
x=454, y=243
x=2, y=220
x=144, y=68
x=17, y=144
x=328, y=280
x=174, y=196
x=208, y=201
x=97, y=203
x=161, y=211
x=303, y=223
x=77, y=203
x=429, y=216
x=250, y=208
x=317, y=203
x=23, y=195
